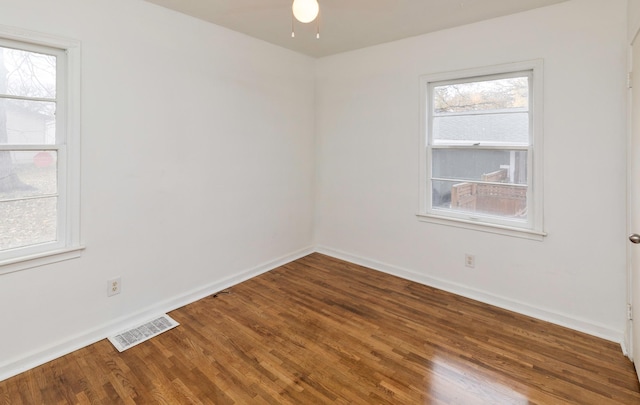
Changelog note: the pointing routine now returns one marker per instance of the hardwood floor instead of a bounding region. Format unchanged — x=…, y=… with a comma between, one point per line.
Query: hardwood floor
x=323, y=331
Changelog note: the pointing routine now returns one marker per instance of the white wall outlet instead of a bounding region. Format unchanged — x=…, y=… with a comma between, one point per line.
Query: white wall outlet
x=114, y=286
x=469, y=260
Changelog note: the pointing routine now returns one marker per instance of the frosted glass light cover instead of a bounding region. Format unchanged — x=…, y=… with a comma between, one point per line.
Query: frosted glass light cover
x=305, y=11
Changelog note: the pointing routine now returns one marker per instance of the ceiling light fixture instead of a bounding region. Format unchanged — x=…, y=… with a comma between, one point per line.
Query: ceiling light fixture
x=305, y=11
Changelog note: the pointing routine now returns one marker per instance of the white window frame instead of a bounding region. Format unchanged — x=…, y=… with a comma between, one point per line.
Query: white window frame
x=533, y=227
x=68, y=244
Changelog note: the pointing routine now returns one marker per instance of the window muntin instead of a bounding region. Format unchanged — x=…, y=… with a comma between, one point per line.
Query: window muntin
x=39, y=178
x=478, y=166
x=28, y=122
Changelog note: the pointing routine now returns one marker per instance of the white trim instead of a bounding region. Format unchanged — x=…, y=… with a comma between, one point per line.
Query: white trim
x=73, y=142
x=39, y=259
x=483, y=227
x=625, y=351
x=37, y=38
x=12, y=367
x=628, y=336
x=533, y=228
x=633, y=28
x=558, y=318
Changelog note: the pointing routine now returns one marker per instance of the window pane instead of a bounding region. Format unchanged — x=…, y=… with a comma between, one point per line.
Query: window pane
x=498, y=166
x=27, y=74
x=482, y=95
x=501, y=200
x=500, y=128
x=441, y=193
x=24, y=122
x=27, y=222
x=27, y=174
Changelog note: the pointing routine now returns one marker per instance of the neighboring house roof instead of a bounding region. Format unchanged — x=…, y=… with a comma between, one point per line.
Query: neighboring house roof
x=501, y=127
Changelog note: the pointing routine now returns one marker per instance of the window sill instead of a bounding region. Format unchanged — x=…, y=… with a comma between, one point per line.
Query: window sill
x=483, y=227
x=39, y=259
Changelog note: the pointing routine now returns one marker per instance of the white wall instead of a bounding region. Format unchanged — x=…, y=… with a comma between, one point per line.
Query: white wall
x=197, y=171
x=367, y=121
x=236, y=196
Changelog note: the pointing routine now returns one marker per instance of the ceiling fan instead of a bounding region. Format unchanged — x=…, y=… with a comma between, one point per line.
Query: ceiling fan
x=305, y=11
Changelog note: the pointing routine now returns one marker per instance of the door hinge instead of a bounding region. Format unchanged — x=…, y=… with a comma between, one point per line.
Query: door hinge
x=630, y=80
x=629, y=312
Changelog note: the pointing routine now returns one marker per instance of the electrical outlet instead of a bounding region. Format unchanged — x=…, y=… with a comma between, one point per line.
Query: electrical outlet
x=114, y=286
x=469, y=260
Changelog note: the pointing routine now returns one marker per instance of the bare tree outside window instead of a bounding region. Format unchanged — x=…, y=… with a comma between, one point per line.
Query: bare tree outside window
x=482, y=95
x=28, y=176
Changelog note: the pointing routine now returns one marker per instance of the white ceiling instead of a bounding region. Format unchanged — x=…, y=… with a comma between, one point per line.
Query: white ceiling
x=346, y=24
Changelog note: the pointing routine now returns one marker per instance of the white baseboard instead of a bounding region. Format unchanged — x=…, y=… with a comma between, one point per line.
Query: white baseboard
x=61, y=348
x=557, y=318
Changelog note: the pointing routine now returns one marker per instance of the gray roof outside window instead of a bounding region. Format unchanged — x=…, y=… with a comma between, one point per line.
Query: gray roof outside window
x=501, y=127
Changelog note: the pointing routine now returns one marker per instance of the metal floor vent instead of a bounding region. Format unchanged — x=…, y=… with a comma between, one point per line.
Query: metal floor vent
x=131, y=337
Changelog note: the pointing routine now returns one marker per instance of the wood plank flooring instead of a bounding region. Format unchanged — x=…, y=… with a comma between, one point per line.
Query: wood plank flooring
x=324, y=331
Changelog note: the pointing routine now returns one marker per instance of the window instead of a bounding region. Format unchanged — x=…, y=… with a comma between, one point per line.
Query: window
x=39, y=151
x=482, y=145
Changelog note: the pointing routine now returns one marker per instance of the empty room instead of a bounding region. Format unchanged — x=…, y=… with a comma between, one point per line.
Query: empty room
x=331, y=201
